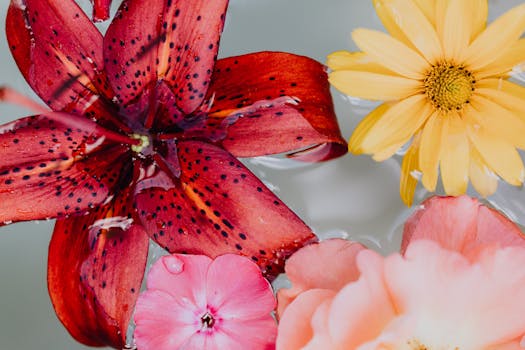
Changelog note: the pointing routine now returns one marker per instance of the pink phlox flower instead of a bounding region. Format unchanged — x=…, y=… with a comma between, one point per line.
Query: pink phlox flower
x=194, y=302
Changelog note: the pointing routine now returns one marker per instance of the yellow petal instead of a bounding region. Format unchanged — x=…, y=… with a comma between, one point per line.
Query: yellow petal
x=344, y=60
x=483, y=179
x=373, y=86
x=409, y=170
x=415, y=26
x=456, y=30
x=509, y=95
x=428, y=7
x=479, y=11
x=430, y=150
x=455, y=155
x=397, y=125
x=499, y=121
x=388, y=152
x=390, y=23
x=503, y=65
x=499, y=36
x=391, y=53
x=476, y=15
x=500, y=156
x=362, y=129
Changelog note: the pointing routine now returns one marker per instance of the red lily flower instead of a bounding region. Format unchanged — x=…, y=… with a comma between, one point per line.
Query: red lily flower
x=142, y=143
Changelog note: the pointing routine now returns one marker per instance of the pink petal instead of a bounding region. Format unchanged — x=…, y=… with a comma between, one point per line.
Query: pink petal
x=44, y=173
x=182, y=276
x=237, y=290
x=95, y=269
x=435, y=287
x=285, y=103
x=256, y=333
x=219, y=207
x=450, y=221
x=62, y=64
x=335, y=266
x=164, y=321
x=184, y=40
x=319, y=321
x=461, y=224
x=361, y=309
x=494, y=227
x=295, y=329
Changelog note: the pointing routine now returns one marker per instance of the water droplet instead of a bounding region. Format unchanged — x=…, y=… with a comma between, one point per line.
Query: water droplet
x=173, y=264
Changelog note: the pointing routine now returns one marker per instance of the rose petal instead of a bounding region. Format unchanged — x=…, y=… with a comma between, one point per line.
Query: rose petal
x=335, y=267
x=295, y=329
x=461, y=224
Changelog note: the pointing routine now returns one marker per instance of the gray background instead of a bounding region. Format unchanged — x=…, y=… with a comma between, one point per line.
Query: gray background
x=352, y=197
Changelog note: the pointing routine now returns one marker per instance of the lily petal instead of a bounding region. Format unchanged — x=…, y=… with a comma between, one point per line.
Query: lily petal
x=62, y=64
x=179, y=47
x=275, y=102
x=43, y=173
x=220, y=207
x=93, y=281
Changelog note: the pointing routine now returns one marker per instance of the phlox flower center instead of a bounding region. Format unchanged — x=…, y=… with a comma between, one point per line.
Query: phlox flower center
x=144, y=142
x=207, y=321
x=449, y=86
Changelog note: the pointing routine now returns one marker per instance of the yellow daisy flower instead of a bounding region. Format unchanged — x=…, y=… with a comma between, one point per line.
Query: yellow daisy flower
x=442, y=73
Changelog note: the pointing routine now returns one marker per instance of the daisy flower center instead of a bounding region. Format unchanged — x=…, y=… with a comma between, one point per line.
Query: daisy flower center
x=449, y=86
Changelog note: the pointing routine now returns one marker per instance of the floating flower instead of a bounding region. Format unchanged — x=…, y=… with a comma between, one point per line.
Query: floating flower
x=444, y=292
x=193, y=302
x=142, y=142
x=443, y=77
x=462, y=224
